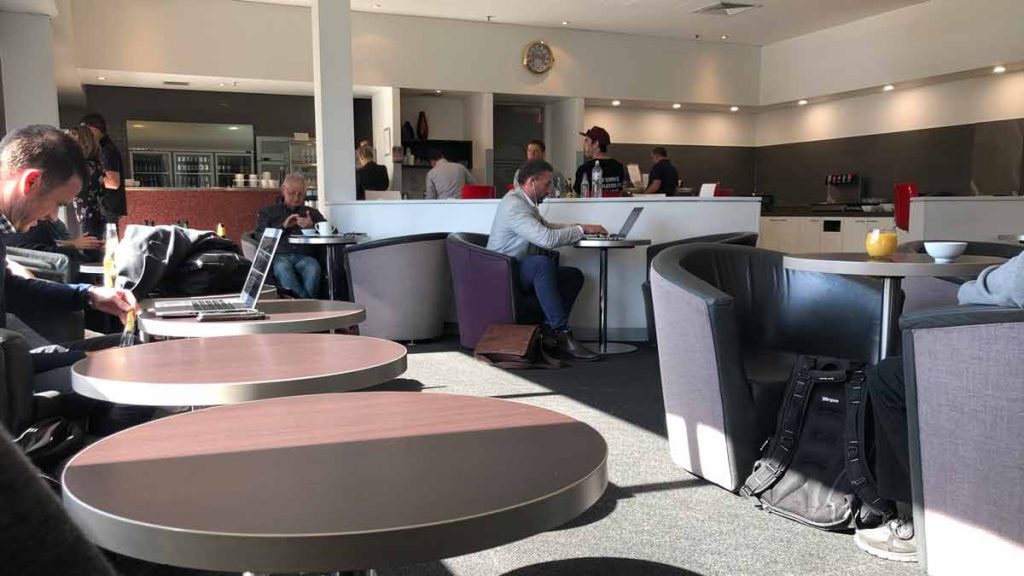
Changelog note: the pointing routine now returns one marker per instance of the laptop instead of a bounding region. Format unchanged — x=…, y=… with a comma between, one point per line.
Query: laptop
x=246, y=300
x=621, y=235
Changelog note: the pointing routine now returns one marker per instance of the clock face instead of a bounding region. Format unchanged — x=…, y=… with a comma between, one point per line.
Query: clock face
x=538, y=57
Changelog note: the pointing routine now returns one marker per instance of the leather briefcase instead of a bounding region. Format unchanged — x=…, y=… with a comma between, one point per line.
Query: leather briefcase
x=514, y=347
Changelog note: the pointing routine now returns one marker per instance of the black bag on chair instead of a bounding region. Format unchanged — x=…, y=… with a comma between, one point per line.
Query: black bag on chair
x=814, y=469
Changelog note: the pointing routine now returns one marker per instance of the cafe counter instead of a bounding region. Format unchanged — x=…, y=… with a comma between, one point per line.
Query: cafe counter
x=203, y=208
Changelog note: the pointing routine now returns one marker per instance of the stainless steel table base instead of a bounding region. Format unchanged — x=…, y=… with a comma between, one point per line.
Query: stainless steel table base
x=330, y=273
x=612, y=348
x=890, y=316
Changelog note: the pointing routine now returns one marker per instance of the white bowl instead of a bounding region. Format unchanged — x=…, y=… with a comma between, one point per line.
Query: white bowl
x=945, y=251
x=308, y=232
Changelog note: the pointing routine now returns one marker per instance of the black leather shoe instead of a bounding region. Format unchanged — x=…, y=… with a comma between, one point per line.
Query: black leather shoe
x=548, y=340
x=569, y=346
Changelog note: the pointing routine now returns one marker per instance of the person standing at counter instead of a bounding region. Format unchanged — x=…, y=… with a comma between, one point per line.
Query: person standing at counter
x=595, y=147
x=664, y=178
x=536, y=150
x=370, y=175
x=88, y=204
x=520, y=231
x=113, y=200
x=446, y=179
x=295, y=267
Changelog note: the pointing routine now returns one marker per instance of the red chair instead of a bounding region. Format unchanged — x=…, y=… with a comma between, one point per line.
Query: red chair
x=902, y=194
x=477, y=192
x=723, y=192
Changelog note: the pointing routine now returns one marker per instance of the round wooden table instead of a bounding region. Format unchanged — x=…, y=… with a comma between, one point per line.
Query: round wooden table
x=605, y=244
x=330, y=242
x=210, y=371
x=891, y=270
x=283, y=316
x=335, y=481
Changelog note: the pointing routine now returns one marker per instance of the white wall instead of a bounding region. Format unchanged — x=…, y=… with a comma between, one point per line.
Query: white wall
x=923, y=40
x=479, y=127
x=253, y=40
x=649, y=126
x=386, y=115
x=445, y=115
x=562, y=125
x=29, y=85
x=983, y=99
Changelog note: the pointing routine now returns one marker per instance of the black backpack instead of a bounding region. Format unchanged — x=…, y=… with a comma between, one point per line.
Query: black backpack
x=815, y=468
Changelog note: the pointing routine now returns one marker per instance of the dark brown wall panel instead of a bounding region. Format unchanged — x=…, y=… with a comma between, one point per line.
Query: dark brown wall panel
x=731, y=166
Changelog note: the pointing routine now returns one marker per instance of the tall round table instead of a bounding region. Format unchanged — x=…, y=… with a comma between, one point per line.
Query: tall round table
x=329, y=242
x=283, y=316
x=211, y=371
x=335, y=481
x=604, y=245
x=891, y=270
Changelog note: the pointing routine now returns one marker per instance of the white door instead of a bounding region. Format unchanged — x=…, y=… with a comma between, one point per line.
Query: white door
x=855, y=230
x=810, y=233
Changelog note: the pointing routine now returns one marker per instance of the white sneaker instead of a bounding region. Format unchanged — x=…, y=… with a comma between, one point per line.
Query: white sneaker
x=893, y=540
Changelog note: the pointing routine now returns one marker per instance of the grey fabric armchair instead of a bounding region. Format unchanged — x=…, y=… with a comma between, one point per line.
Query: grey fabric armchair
x=45, y=265
x=738, y=238
x=404, y=283
x=965, y=412
x=925, y=293
x=731, y=322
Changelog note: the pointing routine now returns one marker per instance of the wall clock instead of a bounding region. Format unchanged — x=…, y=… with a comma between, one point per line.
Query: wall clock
x=537, y=57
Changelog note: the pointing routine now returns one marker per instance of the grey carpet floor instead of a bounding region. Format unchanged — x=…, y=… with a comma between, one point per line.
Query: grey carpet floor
x=655, y=519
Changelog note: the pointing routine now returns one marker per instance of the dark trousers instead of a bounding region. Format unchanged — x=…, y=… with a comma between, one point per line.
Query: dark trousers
x=104, y=417
x=889, y=408
x=556, y=287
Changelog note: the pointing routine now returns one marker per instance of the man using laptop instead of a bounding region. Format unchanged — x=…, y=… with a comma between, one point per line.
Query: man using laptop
x=295, y=267
x=520, y=231
x=40, y=169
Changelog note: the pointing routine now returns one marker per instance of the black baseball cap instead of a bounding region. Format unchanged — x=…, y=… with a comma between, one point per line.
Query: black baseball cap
x=599, y=135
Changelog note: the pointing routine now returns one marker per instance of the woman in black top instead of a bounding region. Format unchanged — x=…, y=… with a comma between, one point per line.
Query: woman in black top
x=370, y=175
x=88, y=204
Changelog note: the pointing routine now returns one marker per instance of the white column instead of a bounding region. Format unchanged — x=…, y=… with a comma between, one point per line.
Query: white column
x=478, y=122
x=26, y=60
x=332, y=91
x=562, y=128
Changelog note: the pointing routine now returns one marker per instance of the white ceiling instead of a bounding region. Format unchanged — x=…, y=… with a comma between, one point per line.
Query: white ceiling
x=773, y=21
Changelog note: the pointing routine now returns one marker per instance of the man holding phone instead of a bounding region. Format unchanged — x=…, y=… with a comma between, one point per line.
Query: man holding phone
x=295, y=267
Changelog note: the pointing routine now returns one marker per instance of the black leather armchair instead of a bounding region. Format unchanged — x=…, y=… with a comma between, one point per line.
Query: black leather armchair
x=486, y=288
x=731, y=322
x=738, y=238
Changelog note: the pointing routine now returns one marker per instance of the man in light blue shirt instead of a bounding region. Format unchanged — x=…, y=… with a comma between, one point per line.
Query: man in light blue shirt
x=520, y=231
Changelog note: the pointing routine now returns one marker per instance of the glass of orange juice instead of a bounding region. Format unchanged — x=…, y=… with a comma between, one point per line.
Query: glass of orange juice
x=881, y=242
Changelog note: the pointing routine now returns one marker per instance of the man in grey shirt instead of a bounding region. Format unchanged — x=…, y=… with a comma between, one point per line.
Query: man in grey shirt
x=520, y=231
x=446, y=179
x=996, y=286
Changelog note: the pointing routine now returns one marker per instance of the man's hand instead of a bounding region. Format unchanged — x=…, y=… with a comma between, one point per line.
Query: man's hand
x=593, y=229
x=304, y=221
x=86, y=242
x=290, y=221
x=113, y=301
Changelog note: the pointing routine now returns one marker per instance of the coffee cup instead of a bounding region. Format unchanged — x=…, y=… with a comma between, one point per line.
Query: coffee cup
x=323, y=228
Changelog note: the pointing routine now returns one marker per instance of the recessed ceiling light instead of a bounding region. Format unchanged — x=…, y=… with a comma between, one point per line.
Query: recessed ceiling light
x=616, y=102
x=438, y=91
x=734, y=109
x=378, y=6
x=802, y=103
x=999, y=69
x=101, y=77
x=677, y=106
x=565, y=22
x=232, y=127
x=725, y=36
x=888, y=88
x=138, y=126
x=222, y=84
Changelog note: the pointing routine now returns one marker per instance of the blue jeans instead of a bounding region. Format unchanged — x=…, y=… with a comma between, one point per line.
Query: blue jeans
x=556, y=287
x=288, y=268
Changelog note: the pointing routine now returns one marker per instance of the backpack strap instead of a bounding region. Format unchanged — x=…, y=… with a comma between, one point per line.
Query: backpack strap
x=857, y=466
x=770, y=468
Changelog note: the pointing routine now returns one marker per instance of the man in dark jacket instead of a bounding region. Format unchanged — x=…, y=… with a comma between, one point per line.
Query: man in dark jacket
x=295, y=267
x=40, y=169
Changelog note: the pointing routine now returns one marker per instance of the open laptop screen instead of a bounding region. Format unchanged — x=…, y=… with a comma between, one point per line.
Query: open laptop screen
x=628, y=224
x=260, y=266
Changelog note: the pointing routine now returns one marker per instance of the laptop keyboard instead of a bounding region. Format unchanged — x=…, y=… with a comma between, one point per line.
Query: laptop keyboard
x=212, y=305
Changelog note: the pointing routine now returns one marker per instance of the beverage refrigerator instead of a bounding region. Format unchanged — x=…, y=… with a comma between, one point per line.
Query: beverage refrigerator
x=231, y=163
x=151, y=169
x=193, y=169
